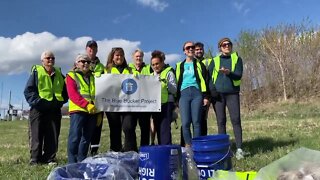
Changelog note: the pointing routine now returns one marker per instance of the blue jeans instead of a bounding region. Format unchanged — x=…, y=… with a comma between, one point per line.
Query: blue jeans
x=190, y=105
x=81, y=129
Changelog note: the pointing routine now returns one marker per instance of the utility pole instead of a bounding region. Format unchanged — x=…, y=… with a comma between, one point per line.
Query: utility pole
x=10, y=108
x=1, y=101
x=21, y=118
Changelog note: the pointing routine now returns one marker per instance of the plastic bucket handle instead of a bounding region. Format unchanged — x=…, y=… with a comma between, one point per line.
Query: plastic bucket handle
x=207, y=166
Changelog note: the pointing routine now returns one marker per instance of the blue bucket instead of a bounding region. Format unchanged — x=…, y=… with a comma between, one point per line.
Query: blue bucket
x=211, y=153
x=160, y=162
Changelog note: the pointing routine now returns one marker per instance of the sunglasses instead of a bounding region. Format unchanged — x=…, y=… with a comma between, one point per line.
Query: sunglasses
x=53, y=58
x=188, y=47
x=84, y=61
x=225, y=45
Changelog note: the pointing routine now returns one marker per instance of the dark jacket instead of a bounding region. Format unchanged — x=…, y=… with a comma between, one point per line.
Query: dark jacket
x=204, y=74
x=224, y=83
x=35, y=101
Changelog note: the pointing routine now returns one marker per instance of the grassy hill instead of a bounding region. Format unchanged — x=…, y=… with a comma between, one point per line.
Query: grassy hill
x=269, y=132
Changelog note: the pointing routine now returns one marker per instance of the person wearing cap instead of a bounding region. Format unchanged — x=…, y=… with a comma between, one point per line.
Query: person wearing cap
x=118, y=121
x=46, y=93
x=225, y=74
x=97, y=68
x=143, y=118
x=193, y=92
x=81, y=91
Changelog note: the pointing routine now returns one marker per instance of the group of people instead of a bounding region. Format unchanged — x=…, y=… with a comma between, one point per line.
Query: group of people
x=192, y=86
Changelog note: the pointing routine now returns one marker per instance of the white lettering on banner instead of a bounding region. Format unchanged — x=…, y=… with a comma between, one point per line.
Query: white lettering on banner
x=148, y=172
x=127, y=93
x=206, y=173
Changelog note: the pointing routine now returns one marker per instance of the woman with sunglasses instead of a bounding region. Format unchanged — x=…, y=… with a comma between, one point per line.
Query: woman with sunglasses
x=117, y=64
x=225, y=74
x=81, y=91
x=192, y=92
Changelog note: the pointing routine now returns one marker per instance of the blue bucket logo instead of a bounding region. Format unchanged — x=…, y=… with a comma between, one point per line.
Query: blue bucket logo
x=129, y=86
x=143, y=156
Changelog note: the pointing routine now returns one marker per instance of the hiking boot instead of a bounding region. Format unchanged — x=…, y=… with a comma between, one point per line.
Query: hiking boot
x=240, y=154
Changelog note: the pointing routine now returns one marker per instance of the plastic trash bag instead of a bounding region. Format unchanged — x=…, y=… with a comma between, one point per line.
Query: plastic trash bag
x=89, y=171
x=297, y=161
x=108, y=166
x=190, y=170
x=128, y=160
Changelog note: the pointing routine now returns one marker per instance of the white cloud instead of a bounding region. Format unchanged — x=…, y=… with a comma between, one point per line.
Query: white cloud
x=241, y=7
x=18, y=54
x=156, y=5
x=120, y=19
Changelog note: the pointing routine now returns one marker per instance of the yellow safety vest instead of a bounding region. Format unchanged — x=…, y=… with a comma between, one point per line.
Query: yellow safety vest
x=164, y=85
x=203, y=86
x=234, y=60
x=87, y=91
x=46, y=87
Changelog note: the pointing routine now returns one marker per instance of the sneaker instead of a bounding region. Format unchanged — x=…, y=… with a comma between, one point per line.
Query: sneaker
x=239, y=154
x=52, y=163
x=33, y=162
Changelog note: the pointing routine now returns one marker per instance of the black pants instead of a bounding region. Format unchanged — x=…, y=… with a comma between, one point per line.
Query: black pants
x=44, y=131
x=95, y=140
x=162, y=123
x=119, y=121
x=143, y=118
x=232, y=102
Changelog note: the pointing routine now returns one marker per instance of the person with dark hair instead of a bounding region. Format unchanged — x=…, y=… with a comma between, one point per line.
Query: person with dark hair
x=225, y=74
x=192, y=93
x=97, y=68
x=81, y=90
x=117, y=64
x=46, y=93
x=162, y=120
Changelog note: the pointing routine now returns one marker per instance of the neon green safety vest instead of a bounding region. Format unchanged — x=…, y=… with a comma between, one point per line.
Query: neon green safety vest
x=46, y=87
x=199, y=69
x=207, y=62
x=164, y=85
x=145, y=70
x=98, y=69
x=114, y=70
x=87, y=91
x=234, y=60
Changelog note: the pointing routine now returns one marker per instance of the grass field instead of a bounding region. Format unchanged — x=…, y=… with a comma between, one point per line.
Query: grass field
x=269, y=132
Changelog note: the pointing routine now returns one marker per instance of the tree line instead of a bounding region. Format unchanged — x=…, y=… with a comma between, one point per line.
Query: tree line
x=280, y=63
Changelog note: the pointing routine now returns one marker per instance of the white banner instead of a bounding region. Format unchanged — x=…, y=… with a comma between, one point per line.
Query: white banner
x=126, y=93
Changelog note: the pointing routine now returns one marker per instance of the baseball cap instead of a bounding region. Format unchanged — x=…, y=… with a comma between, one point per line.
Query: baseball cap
x=92, y=43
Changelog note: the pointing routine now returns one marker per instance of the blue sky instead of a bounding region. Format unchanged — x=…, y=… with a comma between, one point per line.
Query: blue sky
x=29, y=27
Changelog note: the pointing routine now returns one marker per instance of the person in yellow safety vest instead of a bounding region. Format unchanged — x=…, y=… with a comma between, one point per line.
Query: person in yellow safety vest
x=81, y=91
x=97, y=68
x=46, y=93
x=117, y=64
x=193, y=92
x=225, y=74
x=142, y=117
x=200, y=56
x=162, y=120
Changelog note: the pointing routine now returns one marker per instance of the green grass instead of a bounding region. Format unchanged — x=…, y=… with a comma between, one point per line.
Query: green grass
x=269, y=133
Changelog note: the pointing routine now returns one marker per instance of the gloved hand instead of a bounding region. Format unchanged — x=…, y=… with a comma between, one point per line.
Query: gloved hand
x=91, y=108
x=99, y=119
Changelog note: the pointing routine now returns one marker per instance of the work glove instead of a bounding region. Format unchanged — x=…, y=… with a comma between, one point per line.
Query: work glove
x=91, y=108
x=99, y=119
